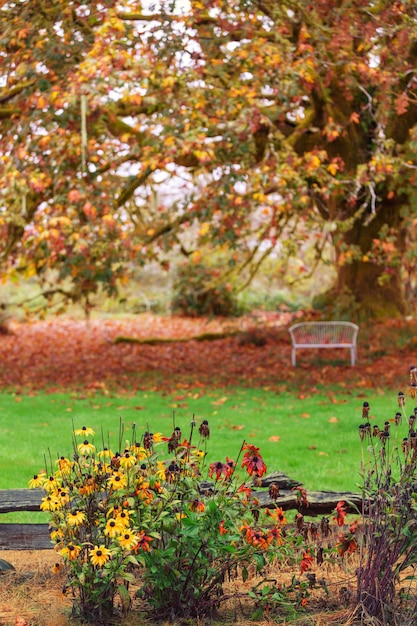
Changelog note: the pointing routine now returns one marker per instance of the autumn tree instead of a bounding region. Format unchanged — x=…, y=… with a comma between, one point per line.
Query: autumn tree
x=247, y=126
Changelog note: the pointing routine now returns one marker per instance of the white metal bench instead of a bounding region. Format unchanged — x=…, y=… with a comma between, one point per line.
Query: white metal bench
x=324, y=335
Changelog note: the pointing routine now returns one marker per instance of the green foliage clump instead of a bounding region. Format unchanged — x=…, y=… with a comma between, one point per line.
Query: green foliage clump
x=152, y=515
x=198, y=291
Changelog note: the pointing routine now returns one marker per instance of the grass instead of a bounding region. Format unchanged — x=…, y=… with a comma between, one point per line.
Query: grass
x=313, y=438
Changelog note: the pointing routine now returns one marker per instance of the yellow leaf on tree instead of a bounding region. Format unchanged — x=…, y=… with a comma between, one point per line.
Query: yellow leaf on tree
x=196, y=256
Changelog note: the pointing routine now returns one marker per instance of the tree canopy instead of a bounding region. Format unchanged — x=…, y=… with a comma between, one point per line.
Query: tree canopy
x=250, y=125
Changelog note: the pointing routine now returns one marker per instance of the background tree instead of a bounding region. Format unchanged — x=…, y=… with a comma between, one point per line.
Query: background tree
x=248, y=126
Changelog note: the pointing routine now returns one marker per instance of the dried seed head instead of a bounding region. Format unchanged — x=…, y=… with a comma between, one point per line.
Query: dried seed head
x=384, y=436
x=362, y=431
x=365, y=410
x=401, y=399
x=398, y=418
x=273, y=491
x=204, y=430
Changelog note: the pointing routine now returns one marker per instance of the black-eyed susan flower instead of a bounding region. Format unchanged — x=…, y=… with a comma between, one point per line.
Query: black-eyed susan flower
x=128, y=539
x=37, y=480
x=113, y=528
x=57, y=535
x=64, y=464
x=57, y=568
x=70, y=551
x=84, y=432
x=117, y=481
x=75, y=518
x=127, y=460
x=105, y=454
x=123, y=518
x=50, y=503
x=86, y=448
x=63, y=496
x=114, y=510
x=51, y=484
x=139, y=451
x=88, y=485
x=99, y=555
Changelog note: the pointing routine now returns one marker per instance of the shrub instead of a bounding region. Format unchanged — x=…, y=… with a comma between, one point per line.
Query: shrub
x=198, y=291
x=146, y=514
x=389, y=517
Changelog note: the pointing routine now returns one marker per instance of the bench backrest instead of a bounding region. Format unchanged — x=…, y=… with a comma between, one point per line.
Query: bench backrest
x=323, y=333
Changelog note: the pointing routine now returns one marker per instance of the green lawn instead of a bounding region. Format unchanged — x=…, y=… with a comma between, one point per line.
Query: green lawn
x=314, y=439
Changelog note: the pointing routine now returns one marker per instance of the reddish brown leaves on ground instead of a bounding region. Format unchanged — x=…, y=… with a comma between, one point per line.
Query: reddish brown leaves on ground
x=64, y=353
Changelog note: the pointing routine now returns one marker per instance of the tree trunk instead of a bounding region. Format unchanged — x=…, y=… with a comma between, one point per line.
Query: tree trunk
x=370, y=289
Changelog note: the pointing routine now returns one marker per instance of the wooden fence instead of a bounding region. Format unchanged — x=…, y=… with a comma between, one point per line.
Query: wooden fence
x=36, y=536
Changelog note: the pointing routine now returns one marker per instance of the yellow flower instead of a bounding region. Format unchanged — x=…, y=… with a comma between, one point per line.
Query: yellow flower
x=127, y=460
x=123, y=518
x=63, y=496
x=114, y=510
x=75, y=518
x=70, y=552
x=128, y=540
x=84, y=431
x=50, y=484
x=56, y=535
x=50, y=503
x=100, y=555
x=160, y=471
x=113, y=528
x=117, y=481
x=105, y=454
x=64, y=465
x=56, y=568
x=86, y=448
x=139, y=451
x=37, y=481
x=88, y=486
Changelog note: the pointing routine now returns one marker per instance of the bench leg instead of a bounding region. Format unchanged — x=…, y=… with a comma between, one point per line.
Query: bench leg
x=352, y=356
x=293, y=357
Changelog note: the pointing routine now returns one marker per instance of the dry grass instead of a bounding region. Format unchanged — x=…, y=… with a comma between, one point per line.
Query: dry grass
x=32, y=596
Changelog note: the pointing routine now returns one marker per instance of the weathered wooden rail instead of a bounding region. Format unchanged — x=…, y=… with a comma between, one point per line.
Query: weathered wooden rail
x=17, y=536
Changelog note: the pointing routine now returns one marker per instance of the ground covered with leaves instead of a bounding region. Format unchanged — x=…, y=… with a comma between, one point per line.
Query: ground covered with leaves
x=254, y=351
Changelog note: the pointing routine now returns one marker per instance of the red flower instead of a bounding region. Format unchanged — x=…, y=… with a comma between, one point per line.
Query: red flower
x=143, y=543
x=340, y=513
x=222, y=529
x=256, y=538
x=220, y=469
x=197, y=506
x=253, y=461
x=306, y=562
x=346, y=544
